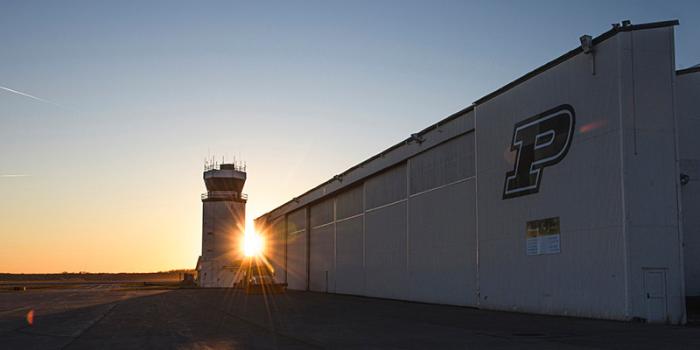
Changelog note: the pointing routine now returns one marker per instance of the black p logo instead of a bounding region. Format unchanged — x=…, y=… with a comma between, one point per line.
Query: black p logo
x=539, y=141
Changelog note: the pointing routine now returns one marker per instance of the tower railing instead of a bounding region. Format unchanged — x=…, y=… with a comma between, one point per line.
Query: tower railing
x=225, y=195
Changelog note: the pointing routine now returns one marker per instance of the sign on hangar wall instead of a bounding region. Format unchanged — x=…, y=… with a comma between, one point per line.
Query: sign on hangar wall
x=543, y=236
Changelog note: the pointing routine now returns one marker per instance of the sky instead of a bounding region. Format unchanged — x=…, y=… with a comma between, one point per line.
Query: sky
x=108, y=109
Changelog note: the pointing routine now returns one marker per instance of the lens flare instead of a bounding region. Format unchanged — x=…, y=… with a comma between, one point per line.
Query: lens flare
x=252, y=244
x=30, y=317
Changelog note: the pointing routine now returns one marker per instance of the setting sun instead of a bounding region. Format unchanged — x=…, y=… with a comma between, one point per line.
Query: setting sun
x=252, y=244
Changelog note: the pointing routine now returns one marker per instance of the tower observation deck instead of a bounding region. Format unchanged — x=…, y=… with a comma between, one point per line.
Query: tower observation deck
x=223, y=224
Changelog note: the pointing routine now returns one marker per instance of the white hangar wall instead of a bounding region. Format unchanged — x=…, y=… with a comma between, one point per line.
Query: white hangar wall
x=430, y=218
x=587, y=278
x=688, y=111
x=650, y=175
x=614, y=192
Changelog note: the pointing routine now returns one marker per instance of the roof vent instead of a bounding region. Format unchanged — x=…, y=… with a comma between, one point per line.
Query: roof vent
x=587, y=48
x=416, y=138
x=626, y=23
x=586, y=43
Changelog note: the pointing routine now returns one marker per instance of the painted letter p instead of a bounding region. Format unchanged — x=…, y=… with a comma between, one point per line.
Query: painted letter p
x=539, y=142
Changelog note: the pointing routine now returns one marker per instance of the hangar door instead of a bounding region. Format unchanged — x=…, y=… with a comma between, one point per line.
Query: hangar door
x=385, y=234
x=296, y=250
x=655, y=293
x=442, y=224
x=349, y=233
x=276, y=246
x=322, y=254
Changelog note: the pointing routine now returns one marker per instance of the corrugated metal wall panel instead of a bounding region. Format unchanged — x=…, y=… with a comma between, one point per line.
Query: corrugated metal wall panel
x=446, y=163
x=650, y=170
x=386, y=187
x=296, y=250
x=275, y=249
x=385, y=252
x=349, y=203
x=350, y=276
x=322, y=267
x=442, y=245
x=688, y=110
x=322, y=213
x=296, y=220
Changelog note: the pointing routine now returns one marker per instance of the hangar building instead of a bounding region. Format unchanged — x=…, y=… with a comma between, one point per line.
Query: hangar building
x=573, y=190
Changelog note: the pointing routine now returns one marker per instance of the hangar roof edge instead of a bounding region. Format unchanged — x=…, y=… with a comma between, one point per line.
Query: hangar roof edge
x=693, y=69
x=597, y=40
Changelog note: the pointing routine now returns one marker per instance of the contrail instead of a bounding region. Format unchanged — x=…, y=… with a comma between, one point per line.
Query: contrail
x=14, y=175
x=28, y=95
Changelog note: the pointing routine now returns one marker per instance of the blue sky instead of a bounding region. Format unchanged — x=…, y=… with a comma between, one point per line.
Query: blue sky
x=141, y=92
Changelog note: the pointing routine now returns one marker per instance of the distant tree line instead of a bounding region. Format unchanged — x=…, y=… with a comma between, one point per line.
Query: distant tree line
x=96, y=276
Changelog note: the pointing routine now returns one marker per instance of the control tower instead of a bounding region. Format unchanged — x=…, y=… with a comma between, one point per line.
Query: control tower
x=223, y=224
